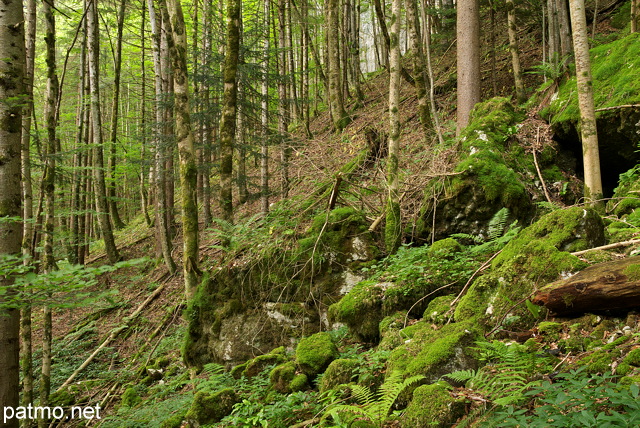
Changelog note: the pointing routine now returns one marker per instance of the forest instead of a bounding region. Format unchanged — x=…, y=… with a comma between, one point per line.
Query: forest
x=296, y=213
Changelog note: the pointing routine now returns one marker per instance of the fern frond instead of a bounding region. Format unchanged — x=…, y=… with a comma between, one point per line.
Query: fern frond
x=461, y=376
x=466, y=236
x=497, y=224
x=363, y=395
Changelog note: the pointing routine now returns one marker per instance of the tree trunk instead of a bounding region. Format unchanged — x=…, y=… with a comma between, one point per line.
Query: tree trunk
x=340, y=118
x=113, y=134
x=610, y=285
x=229, y=109
x=283, y=107
x=419, y=68
x=11, y=87
x=513, y=47
x=186, y=150
x=393, y=227
x=162, y=228
x=264, y=113
x=96, y=122
x=635, y=15
x=468, y=30
x=588, y=130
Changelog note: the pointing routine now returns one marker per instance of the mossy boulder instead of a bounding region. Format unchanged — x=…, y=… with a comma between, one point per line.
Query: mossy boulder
x=438, y=310
x=494, y=172
x=286, y=378
x=361, y=310
x=536, y=256
x=434, y=353
x=130, y=397
x=340, y=371
x=208, y=408
x=255, y=366
x=432, y=406
x=315, y=353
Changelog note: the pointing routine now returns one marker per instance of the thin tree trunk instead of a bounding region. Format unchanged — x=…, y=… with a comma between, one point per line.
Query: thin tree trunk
x=283, y=106
x=26, y=361
x=393, y=226
x=208, y=128
x=96, y=122
x=162, y=229
x=113, y=138
x=264, y=114
x=588, y=130
x=186, y=150
x=48, y=189
x=419, y=68
x=229, y=109
x=513, y=47
x=635, y=15
x=340, y=117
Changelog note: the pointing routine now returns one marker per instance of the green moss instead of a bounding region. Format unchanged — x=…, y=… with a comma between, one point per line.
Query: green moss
x=597, y=362
x=236, y=372
x=550, y=330
x=174, y=421
x=255, y=366
x=300, y=382
x=314, y=353
x=632, y=272
x=614, y=68
x=623, y=369
x=130, y=398
x=360, y=310
x=633, y=357
x=340, y=371
x=392, y=323
x=209, y=408
x=628, y=380
x=438, y=309
x=433, y=353
x=432, y=406
x=64, y=398
x=444, y=247
x=281, y=377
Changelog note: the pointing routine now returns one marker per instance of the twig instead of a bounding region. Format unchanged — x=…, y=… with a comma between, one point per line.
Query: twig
x=406, y=317
x=535, y=161
x=608, y=247
x=618, y=107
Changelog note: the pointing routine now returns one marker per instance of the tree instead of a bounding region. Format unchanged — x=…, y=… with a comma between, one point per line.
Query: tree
x=186, y=150
x=468, y=30
x=229, y=109
x=513, y=47
x=96, y=123
x=12, y=98
x=338, y=113
x=635, y=15
x=588, y=129
x=393, y=228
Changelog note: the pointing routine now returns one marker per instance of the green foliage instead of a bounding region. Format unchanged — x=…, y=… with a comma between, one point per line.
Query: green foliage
x=574, y=399
x=507, y=376
x=314, y=353
x=374, y=407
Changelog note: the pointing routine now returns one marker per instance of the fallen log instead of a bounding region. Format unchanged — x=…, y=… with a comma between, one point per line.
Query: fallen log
x=610, y=285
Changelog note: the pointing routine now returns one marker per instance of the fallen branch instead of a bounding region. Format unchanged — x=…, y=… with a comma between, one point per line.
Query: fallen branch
x=113, y=334
x=618, y=107
x=608, y=247
x=535, y=161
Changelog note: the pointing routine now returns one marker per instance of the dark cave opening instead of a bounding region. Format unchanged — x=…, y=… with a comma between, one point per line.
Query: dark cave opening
x=618, y=139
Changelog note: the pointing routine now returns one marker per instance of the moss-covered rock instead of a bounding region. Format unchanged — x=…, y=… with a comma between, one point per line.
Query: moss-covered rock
x=281, y=377
x=432, y=406
x=340, y=371
x=434, y=353
x=535, y=257
x=208, y=408
x=633, y=357
x=255, y=366
x=315, y=353
x=130, y=398
x=174, y=421
x=361, y=310
x=438, y=309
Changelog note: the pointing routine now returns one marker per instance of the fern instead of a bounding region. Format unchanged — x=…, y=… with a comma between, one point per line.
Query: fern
x=497, y=224
x=507, y=375
x=374, y=407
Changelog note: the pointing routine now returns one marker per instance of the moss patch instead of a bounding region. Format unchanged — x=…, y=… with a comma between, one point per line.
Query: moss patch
x=314, y=353
x=210, y=408
x=432, y=406
x=339, y=372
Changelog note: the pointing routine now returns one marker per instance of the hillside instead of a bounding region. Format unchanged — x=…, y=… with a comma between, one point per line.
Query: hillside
x=303, y=316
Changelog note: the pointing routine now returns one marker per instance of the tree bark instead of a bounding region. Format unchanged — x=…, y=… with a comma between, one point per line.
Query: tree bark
x=610, y=285
x=468, y=30
x=635, y=15
x=513, y=47
x=12, y=68
x=96, y=122
x=113, y=134
x=229, y=109
x=340, y=117
x=186, y=150
x=264, y=113
x=419, y=67
x=393, y=225
x=588, y=130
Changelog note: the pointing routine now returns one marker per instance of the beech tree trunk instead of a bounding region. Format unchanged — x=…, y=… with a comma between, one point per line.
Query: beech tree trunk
x=12, y=68
x=393, y=225
x=419, y=67
x=588, y=130
x=468, y=30
x=264, y=113
x=513, y=47
x=186, y=150
x=338, y=113
x=610, y=285
x=102, y=206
